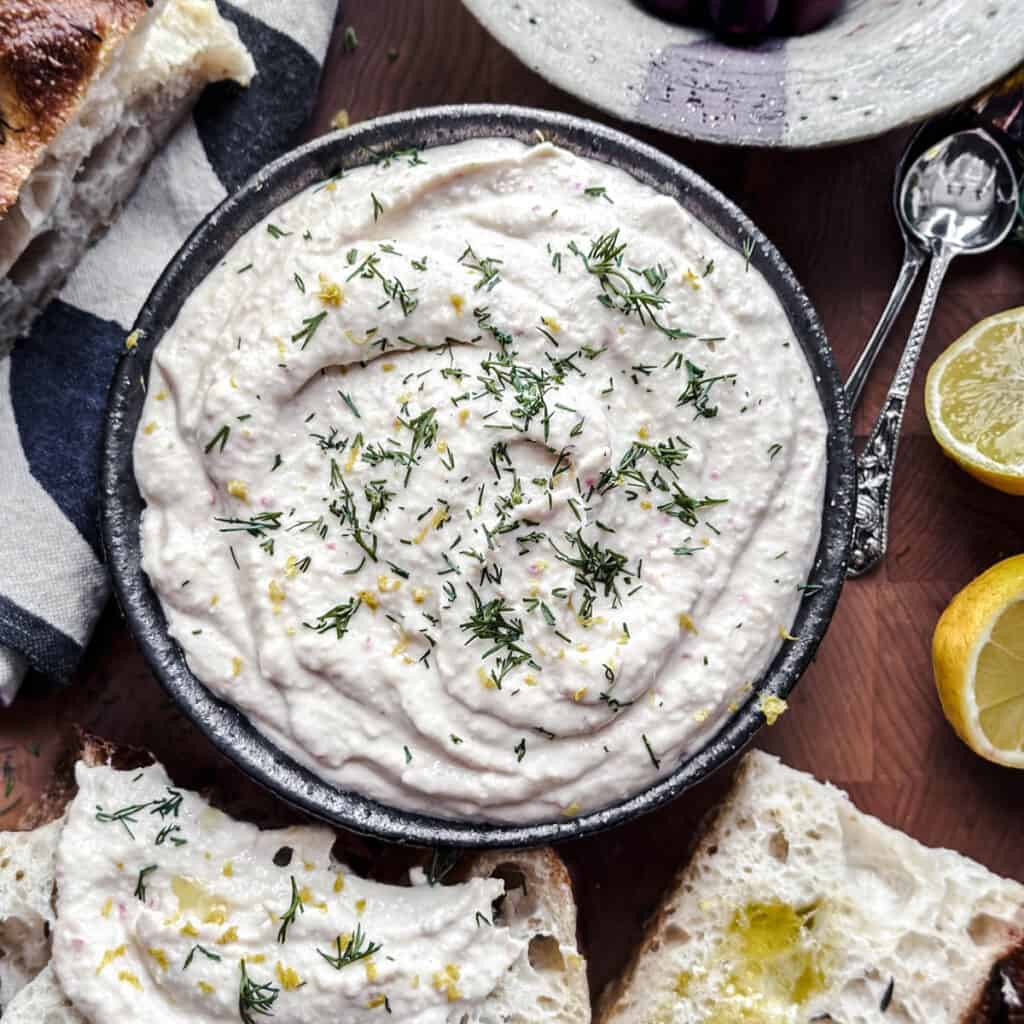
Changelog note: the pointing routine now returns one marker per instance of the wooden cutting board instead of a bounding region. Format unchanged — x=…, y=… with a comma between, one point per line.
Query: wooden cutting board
x=865, y=716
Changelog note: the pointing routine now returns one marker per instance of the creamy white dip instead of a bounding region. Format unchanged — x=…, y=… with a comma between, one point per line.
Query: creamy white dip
x=484, y=480
x=170, y=912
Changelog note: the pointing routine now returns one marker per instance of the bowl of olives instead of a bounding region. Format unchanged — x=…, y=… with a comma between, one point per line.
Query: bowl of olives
x=751, y=19
x=785, y=73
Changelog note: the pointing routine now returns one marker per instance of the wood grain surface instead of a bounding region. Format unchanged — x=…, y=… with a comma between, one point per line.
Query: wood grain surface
x=865, y=716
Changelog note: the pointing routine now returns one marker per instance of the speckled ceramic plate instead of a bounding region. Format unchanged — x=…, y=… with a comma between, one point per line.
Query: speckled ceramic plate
x=224, y=724
x=879, y=64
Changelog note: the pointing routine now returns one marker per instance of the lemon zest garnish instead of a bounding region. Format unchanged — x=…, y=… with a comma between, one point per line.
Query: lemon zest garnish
x=486, y=680
x=785, y=634
x=400, y=647
x=643, y=433
x=257, y=958
x=228, y=871
x=205, y=987
x=107, y=907
x=385, y=583
x=685, y=622
x=371, y=970
x=352, y=456
x=330, y=293
x=420, y=594
x=132, y=341
x=530, y=679
x=161, y=394
x=457, y=302
x=150, y=427
x=378, y=1000
x=238, y=489
x=236, y=667
x=692, y=278
x=370, y=599
x=110, y=956
x=288, y=977
x=579, y=694
x=444, y=981
x=339, y=882
x=340, y=119
x=772, y=708
x=572, y=810
x=360, y=906
x=160, y=956
x=551, y=324
x=129, y=979
x=189, y=929
x=463, y=417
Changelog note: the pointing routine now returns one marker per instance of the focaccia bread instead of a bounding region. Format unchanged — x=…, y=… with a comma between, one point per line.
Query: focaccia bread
x=528, y=915
x=797, y=907
x=88, y=91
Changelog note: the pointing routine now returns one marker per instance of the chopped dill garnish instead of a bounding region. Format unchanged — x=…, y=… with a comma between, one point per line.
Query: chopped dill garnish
x=255, y=998
x=288, y=917
x=357, y=948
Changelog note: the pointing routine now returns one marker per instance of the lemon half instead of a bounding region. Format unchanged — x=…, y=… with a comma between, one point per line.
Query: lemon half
x=974, y=398
x=978, y=660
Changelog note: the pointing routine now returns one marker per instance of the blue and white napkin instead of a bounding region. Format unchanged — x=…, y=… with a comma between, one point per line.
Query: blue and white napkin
x=53, y=386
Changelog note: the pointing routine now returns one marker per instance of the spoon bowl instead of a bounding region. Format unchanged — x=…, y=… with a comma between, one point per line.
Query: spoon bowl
x=959, y=197
x=961, y=193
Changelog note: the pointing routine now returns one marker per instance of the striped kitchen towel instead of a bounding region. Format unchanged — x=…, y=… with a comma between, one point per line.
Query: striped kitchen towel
x=53, y=386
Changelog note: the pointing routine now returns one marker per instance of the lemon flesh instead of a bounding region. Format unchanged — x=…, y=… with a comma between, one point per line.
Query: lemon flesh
x=974, y=398
x=999, y=681
x=978, y=660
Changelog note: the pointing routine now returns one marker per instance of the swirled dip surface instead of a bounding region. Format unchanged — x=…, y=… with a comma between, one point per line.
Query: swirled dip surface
x=483, y=480
x=170, y=912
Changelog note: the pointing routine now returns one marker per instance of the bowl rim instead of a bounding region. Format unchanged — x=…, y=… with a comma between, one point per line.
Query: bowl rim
x=121, y=504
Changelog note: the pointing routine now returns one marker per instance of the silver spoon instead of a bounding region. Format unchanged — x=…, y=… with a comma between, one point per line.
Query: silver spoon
x=914, y=258
x=959, y=197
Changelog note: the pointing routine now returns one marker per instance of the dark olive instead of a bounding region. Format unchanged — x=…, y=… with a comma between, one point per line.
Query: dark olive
x=799, y=16
x=742, y=17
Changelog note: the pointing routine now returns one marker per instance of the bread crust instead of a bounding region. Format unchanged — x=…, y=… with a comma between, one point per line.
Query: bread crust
x=50, y=53
x=990, y=1005
x=608, y=1003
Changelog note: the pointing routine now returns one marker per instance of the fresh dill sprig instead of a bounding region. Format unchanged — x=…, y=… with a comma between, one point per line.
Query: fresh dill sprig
x=338, y=618
x=683, y=507
x=618, y=291
x=485, y=266
x=288, y=917
x=309, y=328
x=491, y=621
x=698, y=389
x=254, y=997
x=357, y=948
x=199, y=949
x=140, y=885
x=221, y=438
x=256, y=526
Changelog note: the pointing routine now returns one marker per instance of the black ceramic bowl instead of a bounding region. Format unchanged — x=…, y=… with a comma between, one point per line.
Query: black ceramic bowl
x=227, y=727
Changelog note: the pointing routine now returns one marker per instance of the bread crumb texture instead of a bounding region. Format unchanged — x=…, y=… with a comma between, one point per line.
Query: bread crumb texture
x=797, y=907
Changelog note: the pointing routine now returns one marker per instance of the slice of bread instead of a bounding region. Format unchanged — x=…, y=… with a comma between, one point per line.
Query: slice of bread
x=797, y=907
x=88, y=91
x=546, y=986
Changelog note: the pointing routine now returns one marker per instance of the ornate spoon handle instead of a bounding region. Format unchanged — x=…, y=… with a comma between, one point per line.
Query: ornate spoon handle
x=913, y=259
x=877, y=462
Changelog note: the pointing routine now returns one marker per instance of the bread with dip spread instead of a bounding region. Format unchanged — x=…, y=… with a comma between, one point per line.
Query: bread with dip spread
x=141, y=901
x=88, y=91
x=797, y=907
